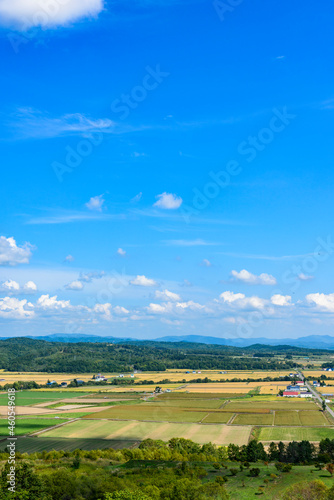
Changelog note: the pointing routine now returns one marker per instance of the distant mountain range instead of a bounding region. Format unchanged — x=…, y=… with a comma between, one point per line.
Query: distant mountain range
x=310, y=342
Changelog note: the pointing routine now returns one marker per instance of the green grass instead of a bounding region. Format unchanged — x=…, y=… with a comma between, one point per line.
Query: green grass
x=217, y=418
x=313, y=418
x=151, y=412
x=287, y=418
x=295, y=433
x=29, y=425
x=274, y=489
x=253, y=419
x=26, y=398
x=32, y=444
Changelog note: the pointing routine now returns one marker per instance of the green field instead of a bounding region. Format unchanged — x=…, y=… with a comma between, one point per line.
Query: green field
x=137, y=431
x=287, y=418
x=253, y=419
x=190, y=403
x=303, y=418
x=313, y=418
x=271, y=405
x=26, y=398
x=29, y=425
x=295, y=433
x=217, y=418
x=32, y=444
x=150, y=412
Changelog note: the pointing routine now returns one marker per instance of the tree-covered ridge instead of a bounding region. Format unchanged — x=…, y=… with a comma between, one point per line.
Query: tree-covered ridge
x=24, y=354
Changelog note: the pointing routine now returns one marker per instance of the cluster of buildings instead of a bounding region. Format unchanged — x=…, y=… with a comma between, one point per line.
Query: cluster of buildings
x=298, y=390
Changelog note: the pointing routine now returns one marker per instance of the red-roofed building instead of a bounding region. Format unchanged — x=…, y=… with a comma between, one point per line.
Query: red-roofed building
x=291, y=394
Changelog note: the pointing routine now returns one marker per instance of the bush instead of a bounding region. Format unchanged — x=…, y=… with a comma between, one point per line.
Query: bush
x=254, y=472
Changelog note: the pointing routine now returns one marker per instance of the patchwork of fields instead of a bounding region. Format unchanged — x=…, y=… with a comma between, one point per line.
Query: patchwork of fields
x=221, y=412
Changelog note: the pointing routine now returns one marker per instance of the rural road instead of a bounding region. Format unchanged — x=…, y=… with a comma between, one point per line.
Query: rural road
x=316, y=394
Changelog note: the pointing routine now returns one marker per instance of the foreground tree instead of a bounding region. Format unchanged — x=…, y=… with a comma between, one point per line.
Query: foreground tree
x=315, y=490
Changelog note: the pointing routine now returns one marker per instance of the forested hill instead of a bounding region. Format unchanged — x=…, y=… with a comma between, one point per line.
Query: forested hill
x=24, y=354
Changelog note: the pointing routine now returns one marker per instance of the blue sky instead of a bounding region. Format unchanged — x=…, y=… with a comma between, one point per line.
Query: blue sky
x=167, y=168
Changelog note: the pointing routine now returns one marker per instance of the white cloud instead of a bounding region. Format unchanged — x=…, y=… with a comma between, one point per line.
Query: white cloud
x=104, y=310
x=13, y=308
x=11, y=254
x=30, y=287
x=240, y=301
x=253, y=279
x=137, y=198
x=121, y=252
x=47, y=302
x=167, y=295
x=96, y=203
x=305, y=277
x=188, y=243
x=143, y=281
x=281, y=300
x=69, y=258
x=168, y=201
x=75, y=285
x=322, y=301
x=26, y=14
x=175, y=307
x=121, y=311
x=10, y=286
x=89, y=277
x=206, y=263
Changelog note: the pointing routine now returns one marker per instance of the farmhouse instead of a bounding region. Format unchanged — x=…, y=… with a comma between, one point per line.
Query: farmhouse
x=291, y=394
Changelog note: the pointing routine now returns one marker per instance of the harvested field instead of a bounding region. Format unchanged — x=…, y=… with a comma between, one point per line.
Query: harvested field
x=217, y=418
x=150, y=412
x=253, y=419
x=137, y=431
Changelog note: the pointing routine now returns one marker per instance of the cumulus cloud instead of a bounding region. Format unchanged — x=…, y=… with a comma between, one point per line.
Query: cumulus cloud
x=240, y=301
x=321, y=301
x=121, y=252
x=252, y=279
x=46, y=302
x=96, y=203
x=175, y=307
x=281, y=300
x=75, y=285
x=13, y=308
x=11, y=254
x=167, y=295
x=26, y=14
x=143, y=281
x=168, y=201
x=13, y=288
x=10, y=286
x=206, y=263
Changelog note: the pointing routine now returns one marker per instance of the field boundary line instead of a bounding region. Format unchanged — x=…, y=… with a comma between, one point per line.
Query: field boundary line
x=34, y=434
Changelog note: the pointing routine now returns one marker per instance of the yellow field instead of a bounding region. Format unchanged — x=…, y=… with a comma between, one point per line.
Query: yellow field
x=317, y=373
x=328, y=389
x=218, y=388
x=172, y=375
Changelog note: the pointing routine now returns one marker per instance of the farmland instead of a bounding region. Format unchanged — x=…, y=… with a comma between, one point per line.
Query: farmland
x=138, y=431
x=221, y=412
